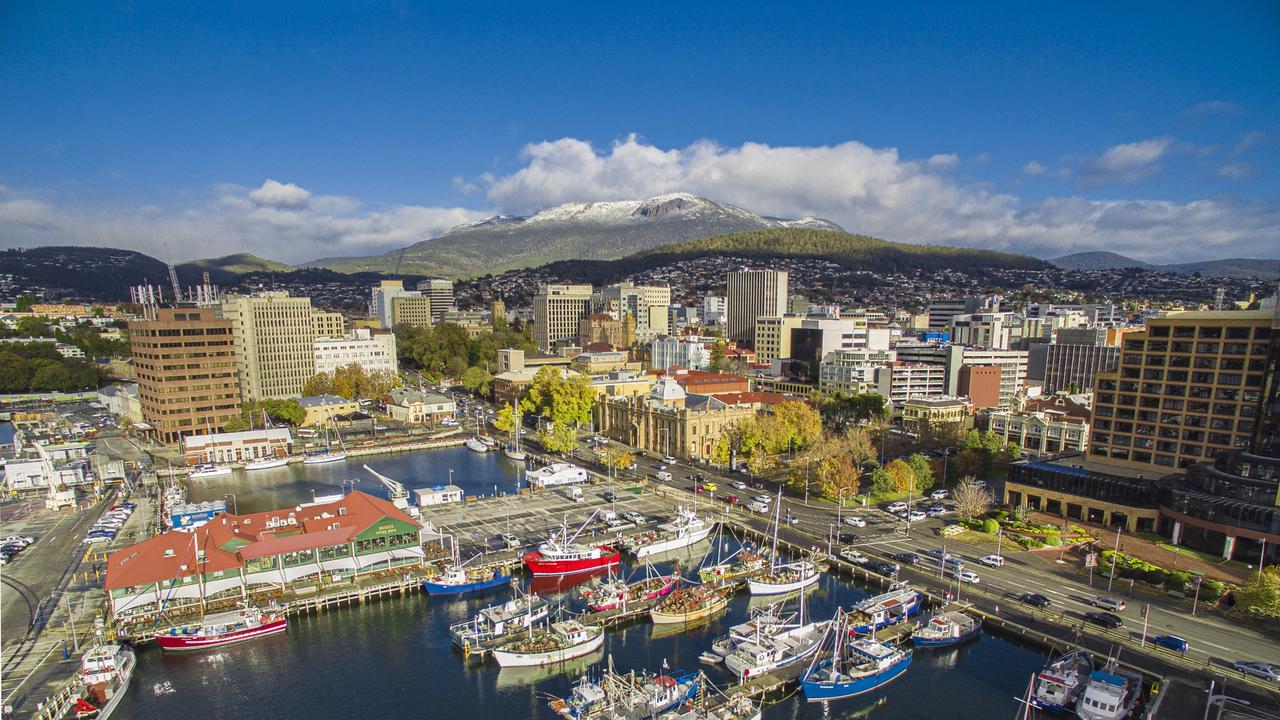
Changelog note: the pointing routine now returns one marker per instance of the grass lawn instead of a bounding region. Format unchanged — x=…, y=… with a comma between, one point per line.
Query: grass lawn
x=1205, y=557
x=987, y=541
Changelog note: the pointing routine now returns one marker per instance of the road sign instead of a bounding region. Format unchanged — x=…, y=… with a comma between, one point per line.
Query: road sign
x=1091, y=560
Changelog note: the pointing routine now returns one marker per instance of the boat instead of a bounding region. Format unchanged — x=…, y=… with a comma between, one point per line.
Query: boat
x=557, y=473
x=777, y=645
x=555, y=586
x=688, y=604
x=473, y=443
x=498, y=621
x=761, y=619
x=560, y=555
x=105, y=672
x=948, y=628
x=782, y=578
x=536, y=674
x=888, y=608
x=710, y=658
x=208, y=470
x=249, y=623
x=845, y=666
x=266, y=463
x=728, y=569
x=564, y=640
x=617, y=593
x=1059, y=684
x=685, y=529
x=458, y=580
x=734, y=707
x=326, y=454
x=1110, y=694
x=512, y=449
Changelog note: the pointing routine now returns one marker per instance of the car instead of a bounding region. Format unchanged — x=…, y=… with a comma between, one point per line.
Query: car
x=855, y=521
x=992, y=560
x=853, y=556
x=696, y=477
x=766, y=499
x=935, y=512
x=710, y=486
x=1266, y=671
x=511, y=542
x=92, y=538
x=22, y=540
x=938, y=495
x=738, y=485
x=938, y=554
x=896, y=507
x=883, y=568
x=634, y=517
x=661, y=466
x=916, y=516
x=847, y=537
x=1108, y=603
x=1105, y=619
x=1172, y=642
x=609, y=496
x=731, y=499
x=968, y=576
x=668, y=459
x=790, y=519
x=698, y=488
x=906, y=558
x=1035, y=600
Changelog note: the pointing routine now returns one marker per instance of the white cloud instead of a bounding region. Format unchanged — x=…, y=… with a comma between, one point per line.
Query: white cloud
x=1234, y=171
x=1033, y=168
x=1247, y=141
x=1214, y=107
x=943, y=162
x=1127, y=163
x=281, y=195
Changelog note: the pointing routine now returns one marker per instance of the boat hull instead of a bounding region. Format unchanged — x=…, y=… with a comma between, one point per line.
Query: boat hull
x=202, y=474
x=674, y=543
x=945, y=642
x=476, y=446
x=267, y=465
x=517, y=455
x=126, y=676
x=661, y=617
x=194, y=642
x=506, y=658
x=478, y=586
x=322, y=459
x=910, y=608
x=541, y=567
x=822, y=691
x=764, y=588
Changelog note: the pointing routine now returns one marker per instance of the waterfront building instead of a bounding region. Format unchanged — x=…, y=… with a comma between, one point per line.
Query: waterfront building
x=417, y=407
x=372, y=351
x=256, y=556
x=323, y=408
x=753, y=294
x=184, y=361
x=558, y=311
x=273, y=340
x=122, y=401
x=236, y=447
x=1076, y=487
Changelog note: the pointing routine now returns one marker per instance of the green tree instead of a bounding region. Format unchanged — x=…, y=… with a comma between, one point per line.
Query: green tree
x=1261, y=594
x=477, y=380
x=52, y=377
x=558, y=438
x=235, y=423
x=717, y=356
x=989, y=525
x=837, y=477
x=793, y=426
x=841, y=411
x=318, y=384
x=287, y=411
x=24, y=302
x=881, y=482
x=720, y=450
x=923, y=471
x=505, y=420
x=903, y=476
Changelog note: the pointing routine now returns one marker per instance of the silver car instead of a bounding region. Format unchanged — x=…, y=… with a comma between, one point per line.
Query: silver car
x=1264, y=671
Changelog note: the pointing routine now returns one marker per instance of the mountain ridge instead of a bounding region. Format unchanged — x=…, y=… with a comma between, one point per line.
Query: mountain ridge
x=1227, y=267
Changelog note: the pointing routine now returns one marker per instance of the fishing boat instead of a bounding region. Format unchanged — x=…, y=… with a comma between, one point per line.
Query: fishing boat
x=685, y=529
x=1059, y=684
x=948, y=628
x=249, y=623
x=104, y=677
x=617, y=593
x=777, y=645
x=845, y=667
x=1110, y=694
x=762, y=619
x=208, y=470
x=627, y=696
x=735, y=707
x=513, y=450
x=786, y=577
x=727, y=569
x=458, y=580
x=888, y=608
x=499, y=621
x=564, y=640
x=555, y=586
x=327, y=454
x=688, y=604
x=561, y=555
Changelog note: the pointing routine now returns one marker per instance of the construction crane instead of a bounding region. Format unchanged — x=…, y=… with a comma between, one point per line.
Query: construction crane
x=399, y=260
x=399, y=495
x=173, y=275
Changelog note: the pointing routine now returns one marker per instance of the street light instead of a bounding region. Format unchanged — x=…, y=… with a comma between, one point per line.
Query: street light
x=1113, y=559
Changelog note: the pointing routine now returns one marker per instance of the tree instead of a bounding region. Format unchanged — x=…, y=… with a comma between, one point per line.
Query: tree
x=881, y=482
x=617, y=459
x=288, y=411
x=856, y=441
x=841, y=411
x=505, y=420
x=235, y=423
x=837, y=477
x=24, y=302
x=972, y=500
x=1261, y=595
x=717, y=356
x=720, y=450
x=903, y=476
x=318, y=384
x=477, y=380
x=923, y=472
x=558, y=438
x=796, y=426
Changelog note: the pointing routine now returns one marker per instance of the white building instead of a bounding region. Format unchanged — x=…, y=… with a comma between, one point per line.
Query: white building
x=414, y=407
x=223, y=448
x=993, y=330
x=852, y=371
x=690, y=352
x=121, y=401
x=713, y=309
x=373, y=351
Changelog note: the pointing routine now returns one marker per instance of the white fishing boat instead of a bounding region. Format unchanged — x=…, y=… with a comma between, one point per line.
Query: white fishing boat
x=782, y=578
x=105, y=672
x=777, y=645
x=1059, y=684
x=685, y=529
x=209, y=470
x=564, y=640
x=499, y=621
x=1110, y=694
x=762, y=619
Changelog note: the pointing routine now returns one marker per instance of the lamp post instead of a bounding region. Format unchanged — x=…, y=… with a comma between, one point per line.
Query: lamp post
x=1113, y=559
x=1197, y=580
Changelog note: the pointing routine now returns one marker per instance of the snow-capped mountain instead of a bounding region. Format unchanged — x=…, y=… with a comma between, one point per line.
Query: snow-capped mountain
x=578, y=230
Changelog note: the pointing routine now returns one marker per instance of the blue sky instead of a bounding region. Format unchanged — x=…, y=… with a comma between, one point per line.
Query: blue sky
x=310, y=129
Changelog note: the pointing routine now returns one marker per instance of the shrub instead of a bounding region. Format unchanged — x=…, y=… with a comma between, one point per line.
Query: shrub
x=1211, y=590
x=990, y=526
x=999, y=514
x=1053, y=541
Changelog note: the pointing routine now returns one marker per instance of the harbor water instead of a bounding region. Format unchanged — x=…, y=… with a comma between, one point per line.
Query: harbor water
x=394, y=658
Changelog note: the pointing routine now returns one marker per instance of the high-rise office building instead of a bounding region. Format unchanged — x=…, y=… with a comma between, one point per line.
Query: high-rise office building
x=1076, y=366
x=185, y=366
x=995, y=330
x=773, y=336
x=440, y=292
x=412, y=310
x=558, y=311
x=649, y=305
x=1185, y=389
x=941, y=311
x=327, y=324
x=273, y=341
x=753, y=294
x=713, y=309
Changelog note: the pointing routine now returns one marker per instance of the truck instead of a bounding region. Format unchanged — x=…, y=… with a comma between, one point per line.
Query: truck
x=759, y=507
x=663, y=476
x=576, y=495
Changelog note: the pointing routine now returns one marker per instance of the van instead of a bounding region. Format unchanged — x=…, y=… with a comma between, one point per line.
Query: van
x=759, y=507
x=663, y=476
x=610, y=517
x=575, y=494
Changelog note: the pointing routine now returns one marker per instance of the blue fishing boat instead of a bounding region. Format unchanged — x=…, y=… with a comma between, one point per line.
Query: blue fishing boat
x=845, y=667
x=457, y=580
x=949, y=628
x=885, y=609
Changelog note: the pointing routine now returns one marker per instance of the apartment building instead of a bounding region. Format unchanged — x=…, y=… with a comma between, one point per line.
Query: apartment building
x=373, y=351
x=648, y=305
x=773, y=336
x=558, y=311
x=753, y=294
x=692, y=353
x=1184, y=390
x=273, y=339
x=995, y=330
x=941, y=311
x=901, y=381
x=853, y=372
x=185, y=366
x=713, y=309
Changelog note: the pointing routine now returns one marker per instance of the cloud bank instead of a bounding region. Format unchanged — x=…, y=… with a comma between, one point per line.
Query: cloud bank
x=865, y=189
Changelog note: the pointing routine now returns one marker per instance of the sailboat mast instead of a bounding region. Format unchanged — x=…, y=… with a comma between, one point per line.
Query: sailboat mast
x=777, y=509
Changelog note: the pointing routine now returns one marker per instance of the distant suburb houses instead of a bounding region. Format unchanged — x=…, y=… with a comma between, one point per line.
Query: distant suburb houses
x=259, y=555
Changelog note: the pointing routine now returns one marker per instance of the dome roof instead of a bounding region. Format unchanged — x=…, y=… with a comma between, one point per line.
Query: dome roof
x=666, y=390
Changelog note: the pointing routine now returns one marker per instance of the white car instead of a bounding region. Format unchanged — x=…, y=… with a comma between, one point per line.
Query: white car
x=853, y=556
x=738, y=485
x=917, y=516
x=634, y=517
x=669, y=460
x=967, y=576
x=896, y=507
x=855, y=521
x=766, y=499
x=992, y=560
x=23, y=540
x=938, y=495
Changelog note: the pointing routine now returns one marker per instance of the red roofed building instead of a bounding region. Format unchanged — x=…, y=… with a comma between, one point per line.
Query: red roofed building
x=235, y=557
x=702, y=382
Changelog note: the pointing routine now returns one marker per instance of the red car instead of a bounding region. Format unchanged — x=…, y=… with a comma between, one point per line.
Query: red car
x=731, y=499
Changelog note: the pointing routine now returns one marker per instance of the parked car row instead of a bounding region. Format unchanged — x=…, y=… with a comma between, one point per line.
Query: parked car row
x=108, y=526
x=12, y=545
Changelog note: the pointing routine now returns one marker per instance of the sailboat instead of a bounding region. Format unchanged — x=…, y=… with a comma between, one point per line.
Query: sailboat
x=476, y=442
x=785, y=577
x=512, y=450
x=844, y=667
x=326, y=454
x=266, y=462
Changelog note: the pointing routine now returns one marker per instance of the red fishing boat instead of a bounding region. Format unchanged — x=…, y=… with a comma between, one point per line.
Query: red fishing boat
x=617, y=593
x=223, y=629
x=562, y=555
